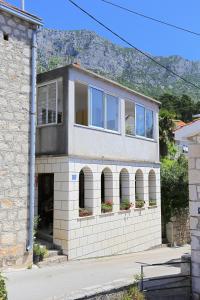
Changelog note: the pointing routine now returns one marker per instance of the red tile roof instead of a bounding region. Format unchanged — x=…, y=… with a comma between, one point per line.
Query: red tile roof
x=187, y=124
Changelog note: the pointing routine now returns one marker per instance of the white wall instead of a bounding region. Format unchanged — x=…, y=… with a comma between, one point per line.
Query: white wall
x=101, y=234
x=88, y=142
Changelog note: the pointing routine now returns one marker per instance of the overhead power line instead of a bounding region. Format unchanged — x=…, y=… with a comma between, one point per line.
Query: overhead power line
x=151, y=18
x=132, y=46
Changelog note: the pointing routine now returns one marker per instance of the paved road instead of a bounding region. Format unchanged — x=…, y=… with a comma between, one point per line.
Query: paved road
x=75, y=277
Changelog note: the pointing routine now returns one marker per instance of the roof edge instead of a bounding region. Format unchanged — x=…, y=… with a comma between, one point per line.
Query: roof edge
x=21, y=14
x=78, y=67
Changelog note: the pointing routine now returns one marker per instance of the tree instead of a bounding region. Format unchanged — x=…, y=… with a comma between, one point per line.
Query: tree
x=166, y=129
x=174, y=187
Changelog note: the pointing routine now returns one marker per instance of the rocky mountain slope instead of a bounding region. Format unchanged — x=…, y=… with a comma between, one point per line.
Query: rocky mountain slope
x=125, y=65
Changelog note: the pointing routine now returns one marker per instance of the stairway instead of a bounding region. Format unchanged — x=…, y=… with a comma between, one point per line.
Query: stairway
x=55, y=255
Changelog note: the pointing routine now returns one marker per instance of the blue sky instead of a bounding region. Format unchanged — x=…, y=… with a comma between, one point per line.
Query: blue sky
x=146, y=35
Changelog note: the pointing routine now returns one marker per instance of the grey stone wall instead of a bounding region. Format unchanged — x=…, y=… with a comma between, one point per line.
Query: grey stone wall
x=194, y=189
x=15, y=91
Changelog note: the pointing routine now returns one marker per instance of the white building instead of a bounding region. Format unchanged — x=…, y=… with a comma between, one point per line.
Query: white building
x=97, y=142
x=191, y=133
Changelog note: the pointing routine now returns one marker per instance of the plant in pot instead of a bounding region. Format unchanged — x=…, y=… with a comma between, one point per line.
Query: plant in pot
x=125, y=204
x=106, y=206
x=83, y=212
x=152, y=202
x=39, y=252
x=139, y=203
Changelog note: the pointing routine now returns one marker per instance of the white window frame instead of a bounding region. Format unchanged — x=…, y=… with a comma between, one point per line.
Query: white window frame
x=145, y=108
x=105, y=93
x=134, y=104
x=43, y=85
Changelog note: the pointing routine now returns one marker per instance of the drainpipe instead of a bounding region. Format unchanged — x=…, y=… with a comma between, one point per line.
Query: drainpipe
x=32, y=142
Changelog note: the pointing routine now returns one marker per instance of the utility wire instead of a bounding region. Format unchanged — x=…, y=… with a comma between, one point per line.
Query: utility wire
x=151, y=18
x=132, y=46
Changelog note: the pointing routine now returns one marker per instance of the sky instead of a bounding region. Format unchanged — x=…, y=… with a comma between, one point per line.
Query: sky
x=150, y=37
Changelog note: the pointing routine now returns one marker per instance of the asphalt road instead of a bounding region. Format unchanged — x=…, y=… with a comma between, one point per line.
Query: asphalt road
x=75, y=277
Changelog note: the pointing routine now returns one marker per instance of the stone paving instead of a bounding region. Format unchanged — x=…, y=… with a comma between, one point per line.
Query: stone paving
x=78, y=279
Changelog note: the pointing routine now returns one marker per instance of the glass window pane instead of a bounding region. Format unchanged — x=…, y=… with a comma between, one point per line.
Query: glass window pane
x=149, y=123
x=97, y=108
x=112, y=113
x=130, y=117
x=60, y=102
x=140, y=120
x=52, y=103
x=81, y=104
x=41, y=105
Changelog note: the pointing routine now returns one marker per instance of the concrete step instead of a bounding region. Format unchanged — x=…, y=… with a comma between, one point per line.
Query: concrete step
x=52, y=260
x=53, y=253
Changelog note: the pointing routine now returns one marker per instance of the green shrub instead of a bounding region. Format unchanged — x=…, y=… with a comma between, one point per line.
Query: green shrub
x=134, y=294
x=3, y=292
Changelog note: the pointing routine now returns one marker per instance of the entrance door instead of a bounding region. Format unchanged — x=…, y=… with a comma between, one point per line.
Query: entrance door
x=45, y=203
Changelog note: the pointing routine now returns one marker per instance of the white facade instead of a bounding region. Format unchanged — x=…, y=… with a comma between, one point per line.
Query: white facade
x=191, y=133
x=101, y=234
x=130, y=164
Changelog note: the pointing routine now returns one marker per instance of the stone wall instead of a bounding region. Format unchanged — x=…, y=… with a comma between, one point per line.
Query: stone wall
x=194, y=189
x=101, y=234
x=15, y=88
x=178, y=229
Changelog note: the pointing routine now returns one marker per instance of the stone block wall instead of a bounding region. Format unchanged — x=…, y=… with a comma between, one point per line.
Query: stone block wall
x=15, y=89
x=178, y=229
x=101, y=234
x=194, y=190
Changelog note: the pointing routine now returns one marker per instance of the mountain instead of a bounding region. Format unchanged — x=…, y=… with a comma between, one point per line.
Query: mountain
x=125, y=65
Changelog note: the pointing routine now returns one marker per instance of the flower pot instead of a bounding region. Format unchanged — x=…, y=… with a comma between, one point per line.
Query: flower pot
x=36, y=258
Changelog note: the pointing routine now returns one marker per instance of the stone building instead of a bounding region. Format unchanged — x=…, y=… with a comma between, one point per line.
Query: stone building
x=17, y=83
x=97, y=165
x=191, y=133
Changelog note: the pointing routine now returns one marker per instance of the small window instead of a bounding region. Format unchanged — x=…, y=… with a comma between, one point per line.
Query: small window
x=112, y=109
x=140, y=120
x=97, y=107
x=50, y=103
x=6, y=36
x=130, y=118
x=81, y=104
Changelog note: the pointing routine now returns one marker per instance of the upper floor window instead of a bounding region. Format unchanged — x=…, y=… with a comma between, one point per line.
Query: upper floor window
x=102, y=111
x=81, y=103
x=50, y=103
x=97, y=108
x=144, y=122
x=129, y=117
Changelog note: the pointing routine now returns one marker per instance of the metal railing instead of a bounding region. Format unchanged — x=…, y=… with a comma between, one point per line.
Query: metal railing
x=160, y=278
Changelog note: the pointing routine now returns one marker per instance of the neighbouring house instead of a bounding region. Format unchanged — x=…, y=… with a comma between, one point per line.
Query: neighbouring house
x=97, y=165
x=17, y=86
x=182, y=145
x=191, y=133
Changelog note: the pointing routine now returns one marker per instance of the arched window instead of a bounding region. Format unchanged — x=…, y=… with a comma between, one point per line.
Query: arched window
x=81, y=189
x=124, y=193
x=85, y=192
x=152, y=188
x=106, y=190
x=124, y=185
x=139, y=189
